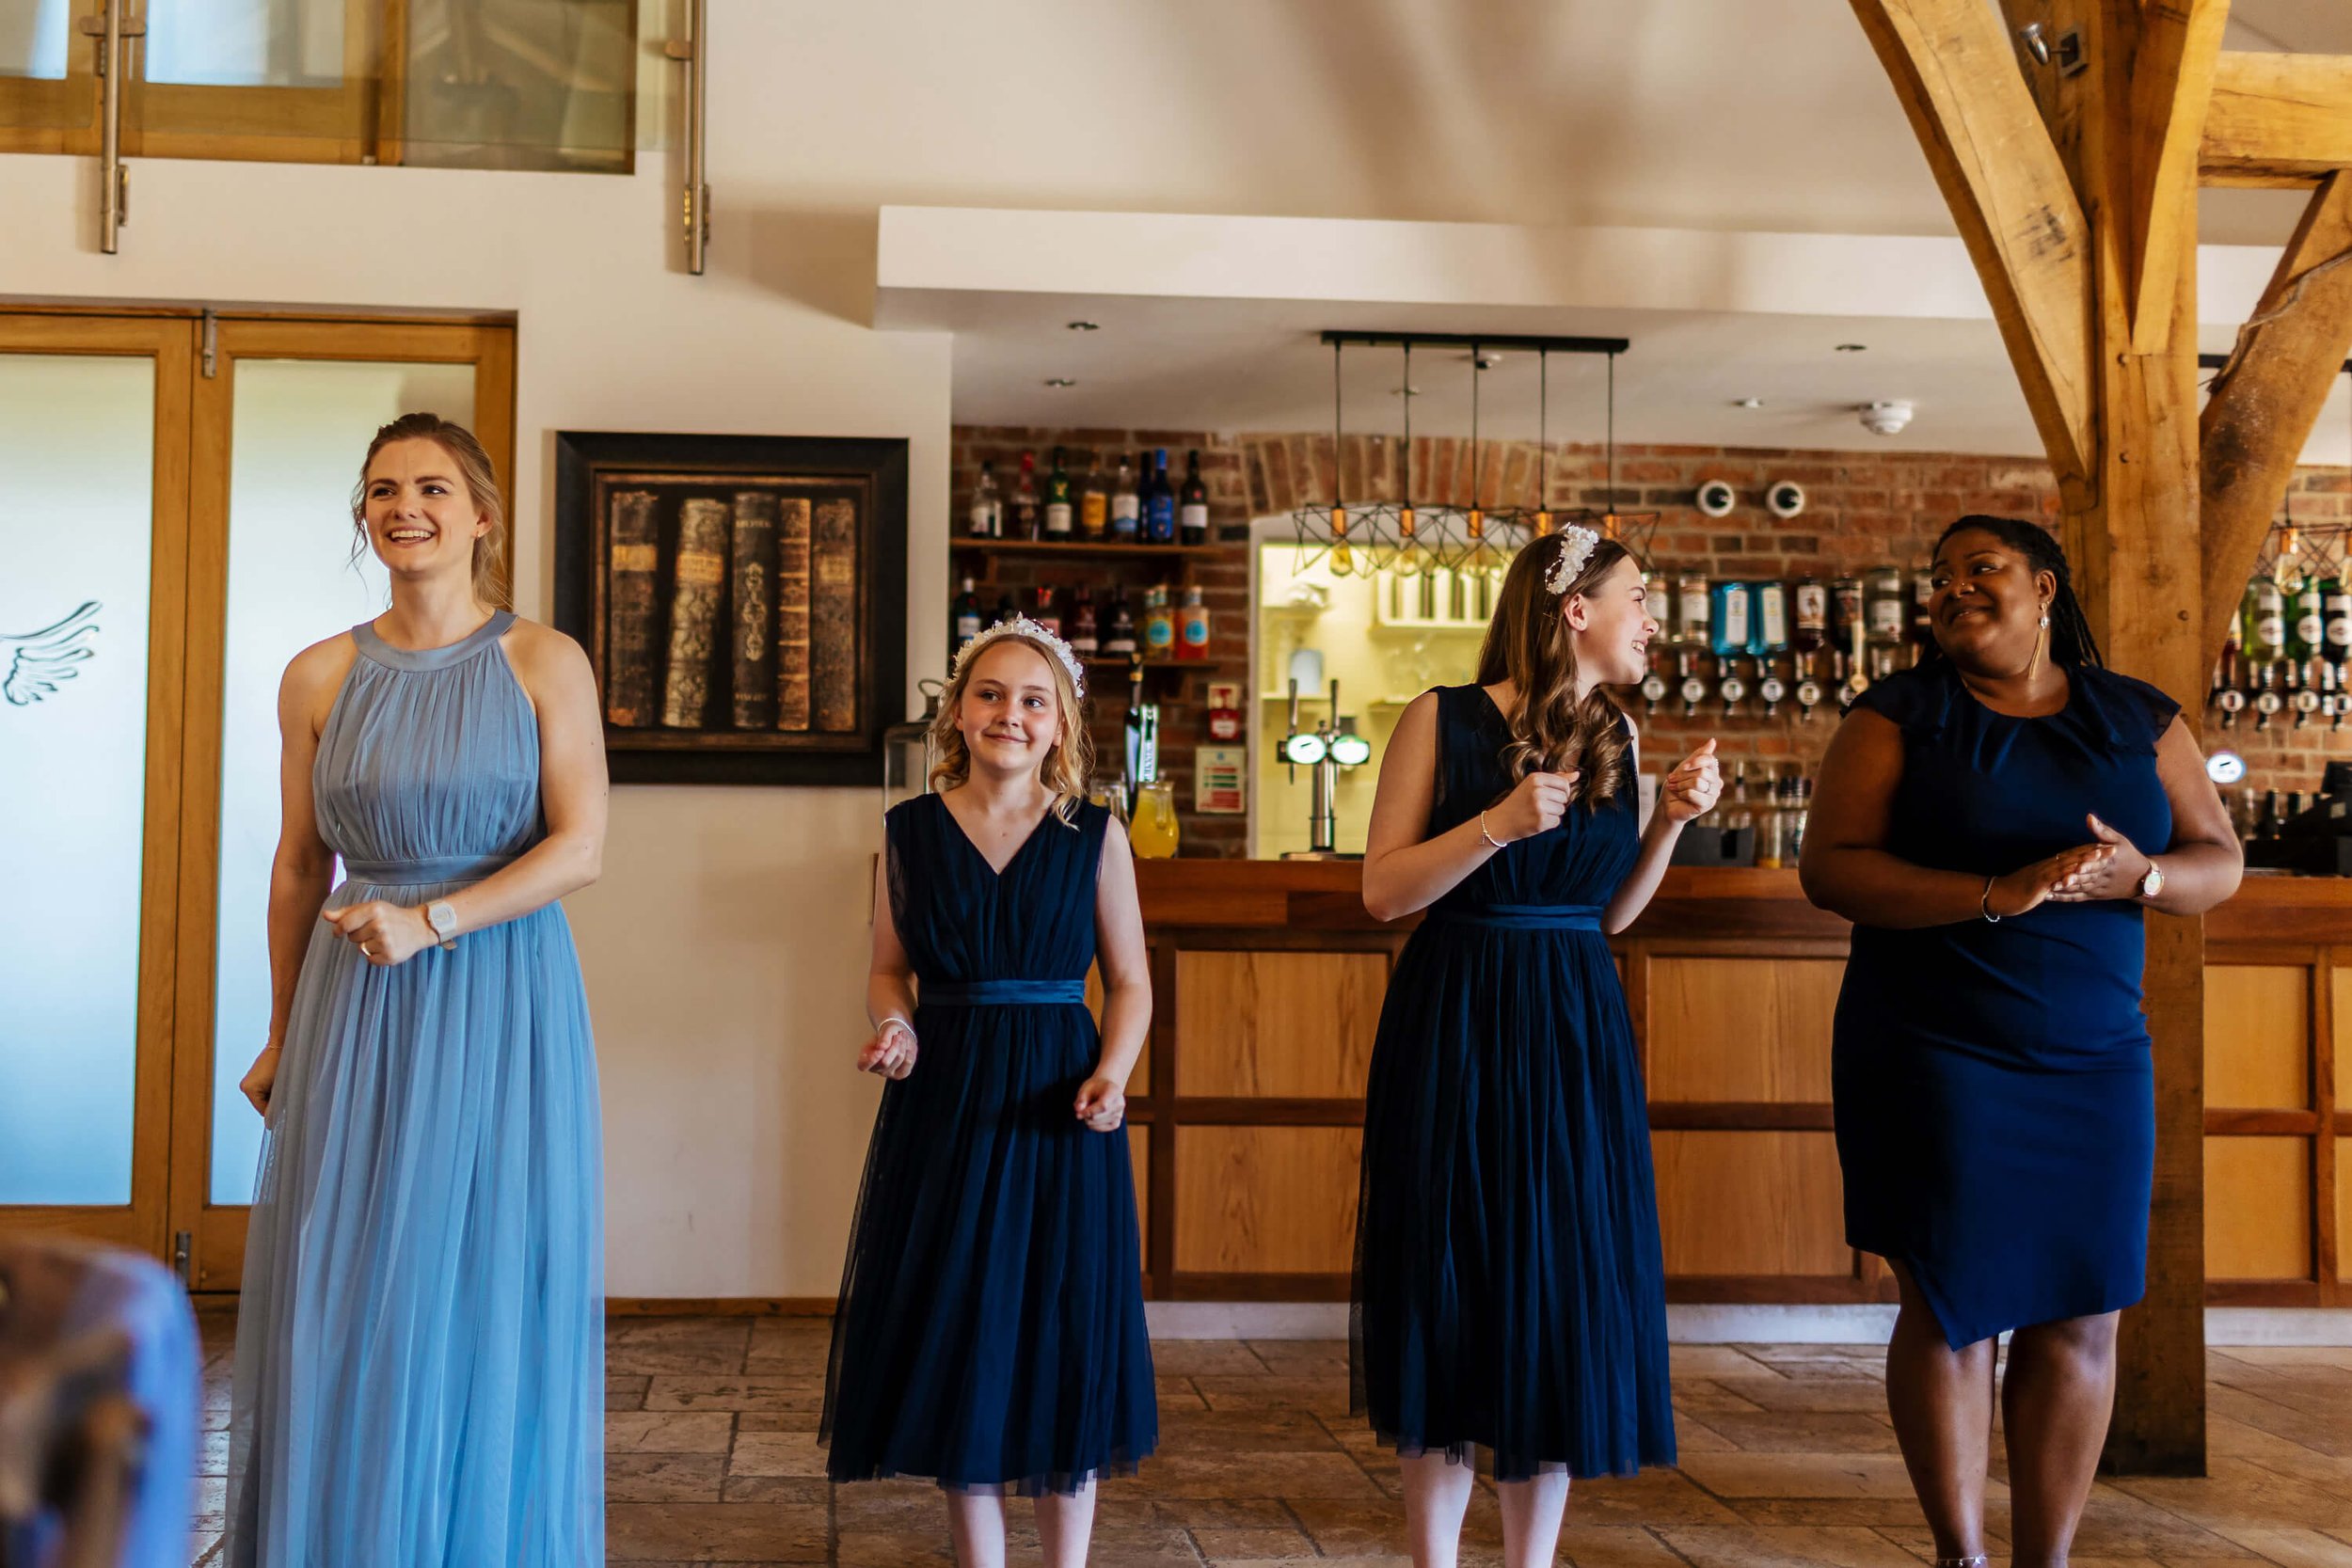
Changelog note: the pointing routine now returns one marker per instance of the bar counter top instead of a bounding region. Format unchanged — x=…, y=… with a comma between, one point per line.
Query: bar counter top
x=1327, y=896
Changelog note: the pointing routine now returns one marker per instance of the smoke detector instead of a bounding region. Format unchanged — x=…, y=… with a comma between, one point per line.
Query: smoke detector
x=1885, y=418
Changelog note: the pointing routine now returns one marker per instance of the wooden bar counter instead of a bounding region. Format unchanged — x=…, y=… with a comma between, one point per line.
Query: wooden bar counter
x=1248, y=1107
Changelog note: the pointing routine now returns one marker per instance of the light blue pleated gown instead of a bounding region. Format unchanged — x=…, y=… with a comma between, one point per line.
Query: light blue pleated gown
x=419, y=1371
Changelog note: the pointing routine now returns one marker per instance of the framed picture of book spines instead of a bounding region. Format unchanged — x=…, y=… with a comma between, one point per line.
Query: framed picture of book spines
x=742, y=599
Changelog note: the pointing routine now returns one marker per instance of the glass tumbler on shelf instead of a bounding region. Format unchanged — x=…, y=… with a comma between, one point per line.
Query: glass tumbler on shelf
x=1152, y=828
x=1110, y=790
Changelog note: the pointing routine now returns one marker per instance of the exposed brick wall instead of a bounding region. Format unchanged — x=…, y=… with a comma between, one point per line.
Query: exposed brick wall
x=1863, y=509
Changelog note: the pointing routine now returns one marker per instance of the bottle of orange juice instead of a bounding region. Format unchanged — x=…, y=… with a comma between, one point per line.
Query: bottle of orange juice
x=1152, y=828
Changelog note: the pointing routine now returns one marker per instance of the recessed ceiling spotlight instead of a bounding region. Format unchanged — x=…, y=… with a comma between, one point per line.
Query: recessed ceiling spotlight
x=1851, y=348
x=1059, y=381
x=1747, y=402
x=1086, y=326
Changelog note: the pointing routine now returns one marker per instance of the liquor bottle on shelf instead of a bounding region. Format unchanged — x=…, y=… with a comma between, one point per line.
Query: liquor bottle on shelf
x=1159, y=625
x=1738, y=813
x=1126, y=504
x=1922, y=631
x=2336, y=602
x=1192, y=625
x=1027, y=520
x=1691, y=613
x=1800, y=817
x=2307, y=622
x=2261, y=849
x=1849, y=628
x=986, y=521
x=1772, y=824
x=1006, y=610
x=1061, y=510
x=1192, y=509
x=1769, y=637
x=1159, y=503
x=1085, y=635
x=1119, y=629
x=1882, y=602
x=1047, y=613
x=964, y=619
x=1811, y=633
x=2265, y=614
x=1095, y=499
x=1733, y=607
x=2226, y=667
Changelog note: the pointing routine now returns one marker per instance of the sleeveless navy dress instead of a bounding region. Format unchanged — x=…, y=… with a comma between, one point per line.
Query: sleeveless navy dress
x=990, y=1329
x=1509, y=1289
x=1996, y=1108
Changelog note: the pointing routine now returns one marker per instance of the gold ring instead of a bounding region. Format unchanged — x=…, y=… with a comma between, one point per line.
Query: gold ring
x=366, y=949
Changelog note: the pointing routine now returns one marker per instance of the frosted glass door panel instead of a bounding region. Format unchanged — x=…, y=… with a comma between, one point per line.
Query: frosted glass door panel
x=33, y=38
x=300, y=428
x=246, y=44
x=77, y=438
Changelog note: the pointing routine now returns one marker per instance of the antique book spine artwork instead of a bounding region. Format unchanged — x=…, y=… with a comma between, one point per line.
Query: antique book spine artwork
x=832, y=584
x=792, y=529
x=702, y=582
x=631, y=669
x=754, y=638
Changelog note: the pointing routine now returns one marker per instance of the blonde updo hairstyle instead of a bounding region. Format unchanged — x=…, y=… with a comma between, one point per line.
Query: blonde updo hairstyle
x=482, y=486
x=1067, y=763
x=1531, y=645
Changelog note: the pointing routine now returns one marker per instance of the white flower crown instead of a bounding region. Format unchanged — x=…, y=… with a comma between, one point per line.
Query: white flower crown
x=1576, y=549
x=1021, y=626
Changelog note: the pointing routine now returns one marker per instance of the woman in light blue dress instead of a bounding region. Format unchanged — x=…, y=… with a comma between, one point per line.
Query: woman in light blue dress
x=419, y=1342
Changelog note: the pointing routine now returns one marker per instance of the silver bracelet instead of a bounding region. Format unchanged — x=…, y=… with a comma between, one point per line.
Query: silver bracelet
x=1488, y=836
x=1985, y=902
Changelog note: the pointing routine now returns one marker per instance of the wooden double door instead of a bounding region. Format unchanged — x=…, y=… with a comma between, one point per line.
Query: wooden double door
x=175, y=524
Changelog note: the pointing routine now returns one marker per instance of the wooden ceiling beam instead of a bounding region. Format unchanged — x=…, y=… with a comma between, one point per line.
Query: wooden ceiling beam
x=2266, y=400
x=2012, y=199
x=2277, y=120
x=2171, y=86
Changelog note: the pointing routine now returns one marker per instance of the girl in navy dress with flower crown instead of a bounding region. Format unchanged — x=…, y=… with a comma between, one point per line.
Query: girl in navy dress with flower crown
x=991, y=1332
x=1509, y=1289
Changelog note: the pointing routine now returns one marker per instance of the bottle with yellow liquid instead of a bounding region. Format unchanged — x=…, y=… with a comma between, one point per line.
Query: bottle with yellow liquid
x=1152, y=828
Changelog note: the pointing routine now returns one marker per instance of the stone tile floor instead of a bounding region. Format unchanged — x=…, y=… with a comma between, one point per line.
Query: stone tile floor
x=1786, y=1459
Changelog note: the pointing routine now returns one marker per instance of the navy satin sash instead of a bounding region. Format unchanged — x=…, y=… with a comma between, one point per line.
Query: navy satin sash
x=1526, y=917
x=1002, y=993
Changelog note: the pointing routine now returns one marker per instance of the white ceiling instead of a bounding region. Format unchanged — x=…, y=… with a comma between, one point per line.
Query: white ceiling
x=1165, y=363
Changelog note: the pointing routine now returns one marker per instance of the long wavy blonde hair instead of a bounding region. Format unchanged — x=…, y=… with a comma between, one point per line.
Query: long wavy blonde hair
x=1068, y=761
x=1531, y=645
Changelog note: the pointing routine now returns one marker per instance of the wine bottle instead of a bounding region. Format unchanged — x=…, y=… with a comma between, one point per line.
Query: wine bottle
x=1192, y=513
x=1058, y=508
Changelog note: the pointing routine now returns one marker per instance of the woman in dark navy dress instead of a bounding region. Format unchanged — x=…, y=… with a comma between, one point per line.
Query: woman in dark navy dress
x=1993, y=823
x=1509, y=1289
x=990, y=1331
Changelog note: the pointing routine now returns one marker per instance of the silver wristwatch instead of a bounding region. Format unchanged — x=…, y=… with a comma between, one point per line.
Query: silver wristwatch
x=443, y=920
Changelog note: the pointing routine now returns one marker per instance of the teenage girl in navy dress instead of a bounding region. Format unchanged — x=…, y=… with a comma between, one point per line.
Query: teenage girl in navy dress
x=990, y=1331
x=1994, y=823
x=1509, y=1289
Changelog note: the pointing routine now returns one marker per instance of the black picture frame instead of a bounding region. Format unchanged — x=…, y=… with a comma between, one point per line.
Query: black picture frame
x=849, y=495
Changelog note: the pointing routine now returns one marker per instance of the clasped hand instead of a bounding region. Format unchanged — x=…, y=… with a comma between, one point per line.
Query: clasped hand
x=2111, y=867
x=385, y=933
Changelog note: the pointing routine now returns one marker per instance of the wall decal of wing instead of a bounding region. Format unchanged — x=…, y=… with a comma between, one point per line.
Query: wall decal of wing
x=39, y=661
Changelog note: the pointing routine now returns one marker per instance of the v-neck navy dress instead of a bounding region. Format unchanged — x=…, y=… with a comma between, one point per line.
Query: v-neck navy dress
x=1996, y=1107
x=991, y=1332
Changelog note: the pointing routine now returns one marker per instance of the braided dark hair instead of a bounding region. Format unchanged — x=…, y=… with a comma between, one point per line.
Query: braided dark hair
x=2071, y=641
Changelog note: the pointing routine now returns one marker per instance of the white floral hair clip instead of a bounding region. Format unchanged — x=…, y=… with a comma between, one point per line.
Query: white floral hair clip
x=1021, y=626
x=1576, y=549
